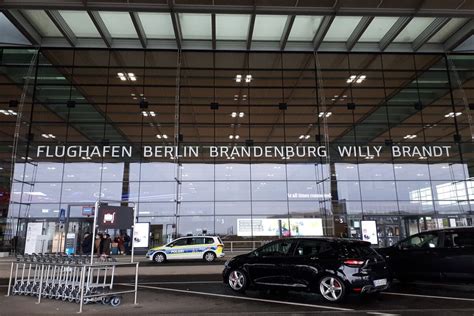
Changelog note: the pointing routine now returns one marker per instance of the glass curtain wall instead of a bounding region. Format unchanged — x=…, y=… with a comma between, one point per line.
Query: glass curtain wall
x=369, y=103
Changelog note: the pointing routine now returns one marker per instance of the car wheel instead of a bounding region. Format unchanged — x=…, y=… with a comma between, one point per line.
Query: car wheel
x=332, y=288
x=209, y=256
x=159, y=257
x=238, y=280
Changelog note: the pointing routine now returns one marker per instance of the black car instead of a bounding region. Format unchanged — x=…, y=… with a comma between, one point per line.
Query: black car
x=333, y=267
x=436, y=254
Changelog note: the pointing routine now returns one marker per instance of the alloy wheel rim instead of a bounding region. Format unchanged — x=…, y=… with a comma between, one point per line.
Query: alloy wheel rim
x=209, y=256
x=331, y=289
x=159, y=258
x=236, y=280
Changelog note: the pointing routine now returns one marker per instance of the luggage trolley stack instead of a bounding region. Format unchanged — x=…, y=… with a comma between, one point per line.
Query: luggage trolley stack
x=68, y=278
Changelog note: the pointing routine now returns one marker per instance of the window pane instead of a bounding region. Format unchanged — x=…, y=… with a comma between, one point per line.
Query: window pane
x=413, y=29
x=119, y=24
x=304, y=28
x=377, y=29
x=268, y=27
x=341, y=28
x=80, y=23
x=195, y=25
x=42, y=22
x=157, y=25
x=447, y=30
x=232, y=26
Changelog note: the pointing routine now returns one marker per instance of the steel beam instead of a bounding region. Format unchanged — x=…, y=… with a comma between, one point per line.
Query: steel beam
x=139, y=28
x=286, y=31
x=322, y=30
x=393, y=32
x=358, y=31
x=101, y=28
x=238, y=9
x=428, y=33
x=460, y=36
x=24, y=26
x=213, y=26
x=62, y=27
x=250, y=33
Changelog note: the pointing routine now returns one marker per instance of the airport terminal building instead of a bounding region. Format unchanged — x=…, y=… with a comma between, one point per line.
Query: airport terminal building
x=249, y=120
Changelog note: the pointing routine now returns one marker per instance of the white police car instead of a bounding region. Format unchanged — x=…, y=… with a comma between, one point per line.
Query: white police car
x=207, y=248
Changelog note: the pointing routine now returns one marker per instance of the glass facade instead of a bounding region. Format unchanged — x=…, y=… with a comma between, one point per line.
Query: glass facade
x=391, y=136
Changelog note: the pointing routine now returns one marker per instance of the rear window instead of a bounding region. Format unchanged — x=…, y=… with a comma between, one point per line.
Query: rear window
x=209, y=240
x=358, y=250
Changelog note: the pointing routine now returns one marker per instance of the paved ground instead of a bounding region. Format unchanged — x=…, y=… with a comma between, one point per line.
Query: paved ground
x=184, y=293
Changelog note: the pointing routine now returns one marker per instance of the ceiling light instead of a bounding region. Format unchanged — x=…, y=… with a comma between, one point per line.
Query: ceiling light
x=241, y=114
x=234, y=114
x=307, y=137
x=325, y=114
x=148, y=113
x=238, y=78
x=356, y=78
x=248, y=78
x=453, y=114
x=409, y=136
x=423, y=158
x=237, y=136
x=369, y=157
x=48, y=136
x=158, y=136
x=165, y=136
x=231, y=136
x=301, y=136
x=8, y=112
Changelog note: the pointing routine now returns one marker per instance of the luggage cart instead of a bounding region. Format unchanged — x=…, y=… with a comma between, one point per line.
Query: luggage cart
x=68, y=278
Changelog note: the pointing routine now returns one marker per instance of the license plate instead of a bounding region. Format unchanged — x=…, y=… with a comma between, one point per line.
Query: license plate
x=380, y=282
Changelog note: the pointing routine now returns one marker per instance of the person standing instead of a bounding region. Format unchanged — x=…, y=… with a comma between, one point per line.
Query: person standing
x=106, y=245
x=126, y=243
x=98, y=243
x=87, y=244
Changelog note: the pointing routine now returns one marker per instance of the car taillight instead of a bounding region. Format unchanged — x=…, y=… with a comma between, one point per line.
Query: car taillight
x=354, y=262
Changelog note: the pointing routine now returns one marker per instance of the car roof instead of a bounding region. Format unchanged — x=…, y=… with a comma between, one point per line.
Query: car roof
x=460, y=228
x=332, y=239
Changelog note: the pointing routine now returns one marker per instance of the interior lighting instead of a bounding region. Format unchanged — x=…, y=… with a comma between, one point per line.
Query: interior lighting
x=325, y=114
x=356, y=78
x=234, y=114
x=8, y=112
x=165, y=136
x=409, y=137
x=148, y=113
x=248, y=78
x=238, y=78
x=48, y=136
x=453, y=114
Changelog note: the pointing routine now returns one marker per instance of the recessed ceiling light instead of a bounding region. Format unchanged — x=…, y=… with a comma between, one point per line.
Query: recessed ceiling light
x=238, y=78
x=409, y=136
x=356, y=78
x=234, y=114
x=325, y=114
x=158, y=136
x=241, y=114
x=453, y=114
x=165, y=136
